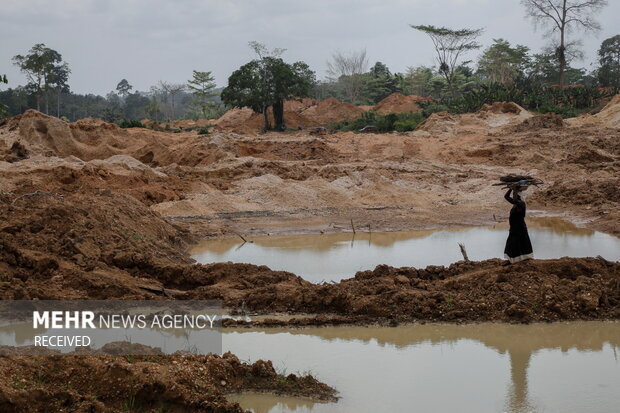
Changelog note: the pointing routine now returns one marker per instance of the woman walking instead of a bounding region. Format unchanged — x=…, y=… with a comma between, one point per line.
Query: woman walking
x=518, y=245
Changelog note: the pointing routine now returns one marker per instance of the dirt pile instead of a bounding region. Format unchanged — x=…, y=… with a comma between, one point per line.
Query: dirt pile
x=180, y=383
x=246, y=121
x=86, y=139
x=399, y=103
x=332, y=110
x=547, y=121
x=299, y=105
x=610, y=115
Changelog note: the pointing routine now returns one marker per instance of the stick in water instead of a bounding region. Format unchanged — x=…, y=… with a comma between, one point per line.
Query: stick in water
x=462, y=247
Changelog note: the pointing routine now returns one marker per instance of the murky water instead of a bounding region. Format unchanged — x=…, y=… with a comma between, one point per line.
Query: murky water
x=332, y=257
x=560, y=367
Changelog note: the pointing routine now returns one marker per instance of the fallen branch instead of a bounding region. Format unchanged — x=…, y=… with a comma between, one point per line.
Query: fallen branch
x=241, y=236
x=462, y=247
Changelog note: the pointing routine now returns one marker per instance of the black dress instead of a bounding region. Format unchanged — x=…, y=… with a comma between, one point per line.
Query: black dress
x=518, y=245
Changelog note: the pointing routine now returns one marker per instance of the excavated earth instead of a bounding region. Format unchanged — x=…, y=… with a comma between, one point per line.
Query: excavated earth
x=91, y=211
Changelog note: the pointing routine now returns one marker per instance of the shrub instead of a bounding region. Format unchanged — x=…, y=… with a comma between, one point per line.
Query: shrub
x=124, y=123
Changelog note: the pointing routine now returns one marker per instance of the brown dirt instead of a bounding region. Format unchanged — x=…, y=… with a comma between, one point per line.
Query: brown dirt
x=399, y=103
x=147, y=384
x=332, y=110
x=91, y=211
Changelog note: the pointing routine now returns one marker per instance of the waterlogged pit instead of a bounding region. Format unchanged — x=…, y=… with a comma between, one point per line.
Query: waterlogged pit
x=333, y=257
x=561, y=367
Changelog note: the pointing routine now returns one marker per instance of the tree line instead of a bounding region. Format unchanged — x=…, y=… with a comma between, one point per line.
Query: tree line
x=501, y=70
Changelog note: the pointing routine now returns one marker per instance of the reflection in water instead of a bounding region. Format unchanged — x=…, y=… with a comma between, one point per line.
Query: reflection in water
x=332, y=257
x=419, y=354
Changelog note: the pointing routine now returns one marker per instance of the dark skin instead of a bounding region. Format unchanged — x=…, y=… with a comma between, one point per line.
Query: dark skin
x=516, y=200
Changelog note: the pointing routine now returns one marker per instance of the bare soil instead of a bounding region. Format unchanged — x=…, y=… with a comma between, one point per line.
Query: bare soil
x=88, y=210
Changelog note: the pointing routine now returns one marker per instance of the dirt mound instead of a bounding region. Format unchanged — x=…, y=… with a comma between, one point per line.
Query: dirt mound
x=299, y=105
x=185, y=124
x=546, y=121
x=610, y=115
x=86, y=139
x=179, y=383
x=332, y=110
x=502, y=107
x=399, y=103
x=234, y=117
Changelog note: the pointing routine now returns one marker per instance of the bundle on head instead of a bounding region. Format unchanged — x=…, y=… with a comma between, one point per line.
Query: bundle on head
x=509, y=181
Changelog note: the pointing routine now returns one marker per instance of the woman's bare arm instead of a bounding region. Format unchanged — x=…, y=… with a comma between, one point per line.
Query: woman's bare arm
x=508, y=198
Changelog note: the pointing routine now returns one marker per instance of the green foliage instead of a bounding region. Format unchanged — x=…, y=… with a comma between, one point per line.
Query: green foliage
x=201, y=87
x=565, y=101
x=205, y=130
x=123, y=88
x=400, y=122
x=608, y=73
x=44, y=70
x=124, y=123
x=265, y=82
x=450, y=45
x=3, y=108
x=503, y=64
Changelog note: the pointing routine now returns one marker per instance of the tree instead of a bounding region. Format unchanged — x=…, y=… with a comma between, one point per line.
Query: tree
x=42, y=67
x=501, y=63
x=349, y=70
x=3, y=107
x=380, y=83
x=609, y=60
x=59, y=77
x=417, y=81
x=450, y=45
x=169, y=92
x=268, y=82
x=201, y=86
x=123, y=88
x=561, y=16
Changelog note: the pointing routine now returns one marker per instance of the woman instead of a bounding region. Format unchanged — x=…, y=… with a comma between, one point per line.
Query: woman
x=518, y=245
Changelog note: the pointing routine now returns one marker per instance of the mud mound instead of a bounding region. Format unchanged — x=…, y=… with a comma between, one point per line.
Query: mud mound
x=439, y=123
x=86, y=139
x=399, y=103
x=299, y=105
x=502, y=107
x=545, y=121
x=180, y=383
x=234, y=117
x=332, y=110
x=610, y=115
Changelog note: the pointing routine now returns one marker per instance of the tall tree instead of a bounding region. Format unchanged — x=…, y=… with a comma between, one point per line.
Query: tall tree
x=41, y=66
x=502, y=63
x=450, y=45
x=348, y=69
x=170, y=91
x=268, y=82
x=123, y=88
x=609, y=62
x=561, y=16
x=201, y=86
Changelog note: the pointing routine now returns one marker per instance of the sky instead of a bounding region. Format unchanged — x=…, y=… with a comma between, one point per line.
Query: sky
x=145, y=41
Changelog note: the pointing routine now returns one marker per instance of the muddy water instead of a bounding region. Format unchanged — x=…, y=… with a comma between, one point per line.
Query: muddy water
x=561, y=367
x=332, y=257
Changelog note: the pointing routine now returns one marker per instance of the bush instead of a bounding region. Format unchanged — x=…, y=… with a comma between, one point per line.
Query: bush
x=124, y=123
x=401, y=122
x=204, y=130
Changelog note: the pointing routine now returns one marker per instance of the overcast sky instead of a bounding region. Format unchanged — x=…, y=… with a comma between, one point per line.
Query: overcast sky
x=147, y=40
